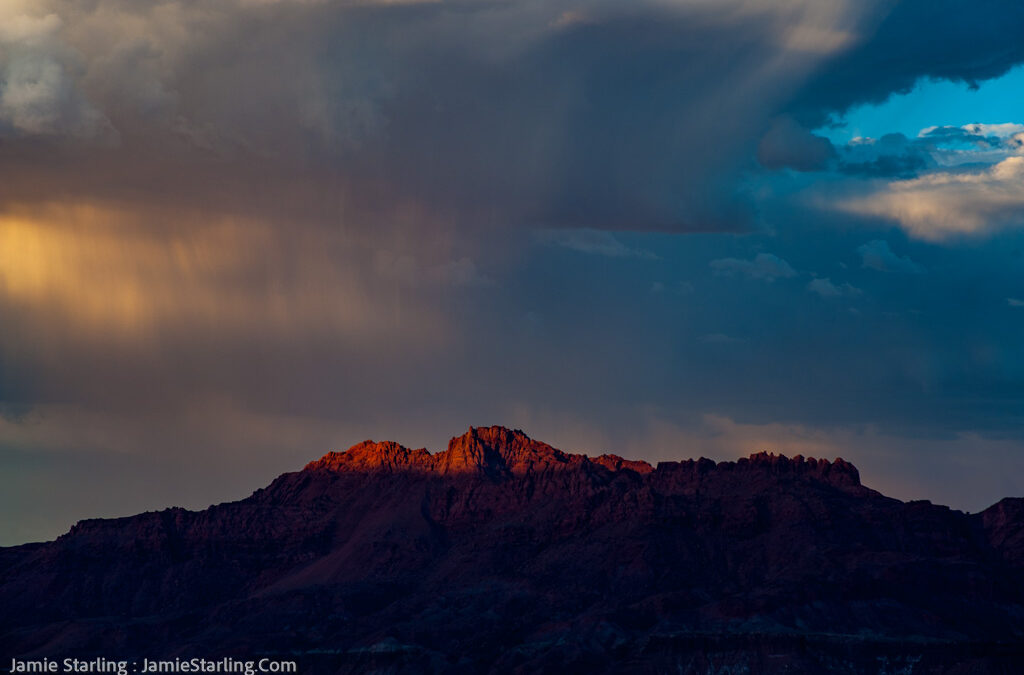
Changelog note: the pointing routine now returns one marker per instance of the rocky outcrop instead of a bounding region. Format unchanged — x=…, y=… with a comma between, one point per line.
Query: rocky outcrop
x=487, y=451
x=497, y=451
x=503, y=553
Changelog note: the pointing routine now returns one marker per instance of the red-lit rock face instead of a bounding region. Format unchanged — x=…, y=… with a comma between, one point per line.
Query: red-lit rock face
x=512, y=554
x=497, y=451
x=491, y=451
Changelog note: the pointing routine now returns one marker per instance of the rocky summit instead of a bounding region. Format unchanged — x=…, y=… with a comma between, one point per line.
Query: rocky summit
x=504, y=554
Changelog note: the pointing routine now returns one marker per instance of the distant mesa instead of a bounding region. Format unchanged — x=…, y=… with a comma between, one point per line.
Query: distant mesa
x=504, y=554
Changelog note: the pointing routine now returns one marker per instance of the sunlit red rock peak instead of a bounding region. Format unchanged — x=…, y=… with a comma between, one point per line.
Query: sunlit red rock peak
x=497, y=451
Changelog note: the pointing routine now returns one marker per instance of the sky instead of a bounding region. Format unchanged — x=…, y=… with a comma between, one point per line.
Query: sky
x=237, y=234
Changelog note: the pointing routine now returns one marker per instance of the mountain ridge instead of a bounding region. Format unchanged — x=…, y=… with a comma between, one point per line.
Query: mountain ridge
x=495, y=450
x=502, y=553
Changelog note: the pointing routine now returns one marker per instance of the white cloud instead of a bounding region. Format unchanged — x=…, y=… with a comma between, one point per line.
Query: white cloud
x=947, y=203
x=764, y=266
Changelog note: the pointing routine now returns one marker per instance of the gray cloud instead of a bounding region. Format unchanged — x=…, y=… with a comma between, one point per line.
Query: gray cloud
x=540, y=114
x=764, y=266
x=892, y=155
x=935, y=148
x=593, y=242
x=826, y=289
x=877, y=255
x=39, y=93
x=477, y=113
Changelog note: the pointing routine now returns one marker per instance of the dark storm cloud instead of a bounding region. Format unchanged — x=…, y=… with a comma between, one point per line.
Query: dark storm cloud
x=554, y=114
x=914, y=39
x=240, y=233
x=787, y=144
x=557, y=114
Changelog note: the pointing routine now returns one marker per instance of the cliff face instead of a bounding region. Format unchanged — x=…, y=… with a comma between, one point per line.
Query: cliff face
x=504, y=553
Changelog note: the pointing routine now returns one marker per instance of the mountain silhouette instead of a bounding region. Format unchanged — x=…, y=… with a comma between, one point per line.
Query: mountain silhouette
x=504, y=554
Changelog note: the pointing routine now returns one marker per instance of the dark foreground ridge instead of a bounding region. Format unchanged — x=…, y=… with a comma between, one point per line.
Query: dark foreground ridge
x=503, y=554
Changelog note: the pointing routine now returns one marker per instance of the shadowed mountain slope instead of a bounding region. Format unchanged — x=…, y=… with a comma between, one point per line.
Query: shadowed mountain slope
x=504, y=554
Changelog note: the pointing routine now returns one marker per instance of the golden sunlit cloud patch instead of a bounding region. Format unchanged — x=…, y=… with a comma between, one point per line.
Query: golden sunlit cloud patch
x=105, y=272
x=946, y=204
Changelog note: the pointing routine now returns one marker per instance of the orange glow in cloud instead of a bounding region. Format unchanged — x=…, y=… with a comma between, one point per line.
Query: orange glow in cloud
x=106, y=273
